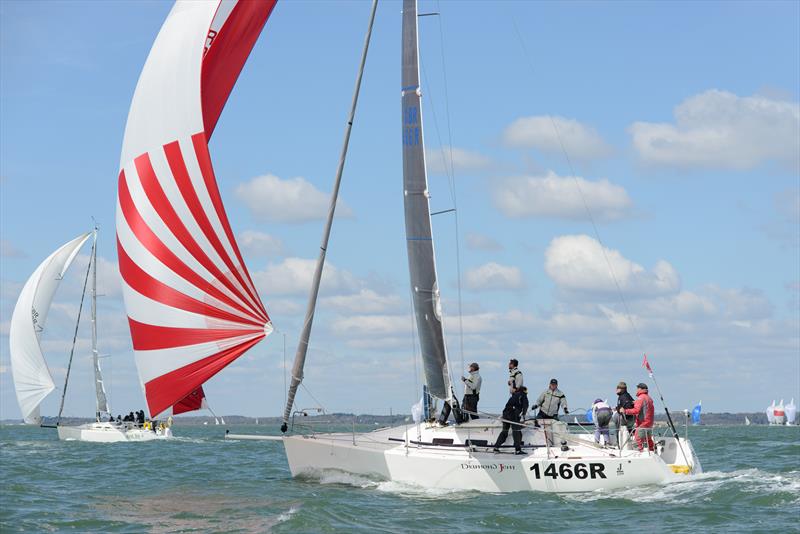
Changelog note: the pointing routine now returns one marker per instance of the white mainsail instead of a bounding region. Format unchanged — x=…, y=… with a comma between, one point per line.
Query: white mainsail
x=32, y=379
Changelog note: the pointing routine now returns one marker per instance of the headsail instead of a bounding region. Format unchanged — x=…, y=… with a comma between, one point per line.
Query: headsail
x=32, y=379
x=191, y=303
x=419, y=237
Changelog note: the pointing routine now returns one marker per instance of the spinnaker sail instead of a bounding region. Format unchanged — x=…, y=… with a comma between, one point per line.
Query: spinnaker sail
x=191, y=303
x=419, y=236
x=32, y=379
x=696, y=413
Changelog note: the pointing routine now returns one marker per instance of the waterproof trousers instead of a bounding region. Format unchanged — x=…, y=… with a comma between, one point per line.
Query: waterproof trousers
x=645, y=435
x=470, y=404
x=516, y=434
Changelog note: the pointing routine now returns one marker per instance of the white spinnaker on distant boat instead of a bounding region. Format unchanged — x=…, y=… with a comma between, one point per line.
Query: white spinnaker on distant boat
x=191, y=303
x=791, y=412
x=32, y=379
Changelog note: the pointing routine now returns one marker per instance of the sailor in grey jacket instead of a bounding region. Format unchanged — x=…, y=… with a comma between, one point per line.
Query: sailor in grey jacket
x=550, y=402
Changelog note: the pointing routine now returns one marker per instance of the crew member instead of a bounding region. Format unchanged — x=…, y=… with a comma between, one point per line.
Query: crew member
x=551, y=401
x=472, y=391
x=514, y=376
x=624, y=400
x=515, y=410
x=644, y=411
x=601, y=415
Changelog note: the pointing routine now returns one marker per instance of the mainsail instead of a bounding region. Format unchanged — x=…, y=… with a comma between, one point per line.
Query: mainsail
x=191, y=303
x=419, y=237
x=32, y=379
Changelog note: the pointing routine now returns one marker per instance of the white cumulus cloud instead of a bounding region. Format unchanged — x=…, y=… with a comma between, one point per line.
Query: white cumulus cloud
x=494, y=277
x=477, y=241
x=563, y=197
x=718, y=129
x=293, y=276
x=365, y=301
x=579, y=263
x=464, y=161
x=294, y=200
x=261, y=244
x=543, y=133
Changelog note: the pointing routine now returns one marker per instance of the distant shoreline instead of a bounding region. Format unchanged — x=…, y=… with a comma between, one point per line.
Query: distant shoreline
x=708, y=419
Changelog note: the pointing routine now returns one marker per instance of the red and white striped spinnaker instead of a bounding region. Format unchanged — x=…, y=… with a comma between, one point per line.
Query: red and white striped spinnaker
x=191, y=303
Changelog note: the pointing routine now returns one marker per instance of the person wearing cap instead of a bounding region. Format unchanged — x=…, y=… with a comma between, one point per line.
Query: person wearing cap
x=472, y=391
x=514, y=376
x=515, y=410
x=469, y=404
x=550, y=402
x=644, y=411
x=624, y=400
x=601, y=415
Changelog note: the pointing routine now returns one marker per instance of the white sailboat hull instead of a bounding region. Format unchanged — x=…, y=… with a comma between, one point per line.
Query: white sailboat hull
x=109, y=433
x=386, y=455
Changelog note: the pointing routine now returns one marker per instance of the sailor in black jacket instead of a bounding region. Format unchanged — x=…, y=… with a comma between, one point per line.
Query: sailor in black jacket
x=515, y=410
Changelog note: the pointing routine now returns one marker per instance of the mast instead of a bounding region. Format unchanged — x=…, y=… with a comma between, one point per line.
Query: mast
x=302, y=346
x=419, y=234
x=100, y=390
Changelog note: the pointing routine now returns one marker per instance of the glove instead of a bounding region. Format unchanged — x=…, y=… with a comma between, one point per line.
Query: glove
x=566, y=412
x=463, y=379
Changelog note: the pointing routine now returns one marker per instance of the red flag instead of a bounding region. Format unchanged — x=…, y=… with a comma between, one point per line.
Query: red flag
x=646, y=365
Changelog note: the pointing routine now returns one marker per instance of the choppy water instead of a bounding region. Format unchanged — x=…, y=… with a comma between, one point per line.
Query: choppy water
x=202, y=483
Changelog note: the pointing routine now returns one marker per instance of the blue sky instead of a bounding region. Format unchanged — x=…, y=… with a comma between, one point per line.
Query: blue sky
x=681, y=121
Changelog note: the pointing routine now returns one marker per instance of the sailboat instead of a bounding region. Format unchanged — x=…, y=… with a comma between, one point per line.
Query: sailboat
x=747, y=421
x=191, y=303
x=32, y=379
x=791, y=413
x=460, y=456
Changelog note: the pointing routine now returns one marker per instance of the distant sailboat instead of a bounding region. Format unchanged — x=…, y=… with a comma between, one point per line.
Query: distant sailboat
x=696, y=413
x=191, y=303
x=776, y=414
x=32, y=379
x=791, y=413
x=746, y=421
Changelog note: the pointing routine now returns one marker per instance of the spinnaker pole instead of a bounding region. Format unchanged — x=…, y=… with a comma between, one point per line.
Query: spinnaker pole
x=302, y=346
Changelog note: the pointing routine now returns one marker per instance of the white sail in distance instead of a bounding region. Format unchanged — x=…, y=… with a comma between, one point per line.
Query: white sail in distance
x=32, y=379
x=419, y=235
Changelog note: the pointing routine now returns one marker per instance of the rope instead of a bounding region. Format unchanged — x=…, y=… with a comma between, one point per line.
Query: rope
x=75, y=336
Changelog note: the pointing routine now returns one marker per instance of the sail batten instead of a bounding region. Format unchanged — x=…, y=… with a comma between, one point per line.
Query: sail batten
x=419, y=235
x=192, y=305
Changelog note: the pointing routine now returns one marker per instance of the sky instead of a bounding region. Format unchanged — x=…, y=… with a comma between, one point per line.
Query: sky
x=657, y=141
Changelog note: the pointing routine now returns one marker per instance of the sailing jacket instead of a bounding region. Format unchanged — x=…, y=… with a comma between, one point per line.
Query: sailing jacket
x=516, y=407
x=601, y=408
x=472, y=383
x=643, y=409
x=514, y=380
x=624, y=400
x=550, y=401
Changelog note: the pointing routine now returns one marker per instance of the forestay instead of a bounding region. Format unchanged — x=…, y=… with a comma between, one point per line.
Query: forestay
x=191, y=303
x=419, y=238
x=32, y=379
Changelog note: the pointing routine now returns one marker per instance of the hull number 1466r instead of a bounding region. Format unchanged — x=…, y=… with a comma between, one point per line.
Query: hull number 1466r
x=567, y=471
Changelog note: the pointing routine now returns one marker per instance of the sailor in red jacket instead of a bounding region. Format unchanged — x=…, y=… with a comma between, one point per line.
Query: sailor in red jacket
x=644, y=410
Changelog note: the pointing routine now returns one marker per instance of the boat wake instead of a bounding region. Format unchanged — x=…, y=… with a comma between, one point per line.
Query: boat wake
x=761, y=487
x=386, y=486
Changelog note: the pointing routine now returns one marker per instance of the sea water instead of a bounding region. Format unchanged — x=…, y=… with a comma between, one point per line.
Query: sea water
x=200, y=482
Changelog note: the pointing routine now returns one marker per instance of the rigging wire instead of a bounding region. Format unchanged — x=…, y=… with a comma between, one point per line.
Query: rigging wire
x=586, y=207
x=75, y=335
x=452, y=178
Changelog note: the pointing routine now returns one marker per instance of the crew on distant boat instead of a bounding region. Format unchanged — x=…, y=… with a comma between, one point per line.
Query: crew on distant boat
x=515, y=410
x=601, y=415
x=550, y=402
x=514, y=376
x=624, y=400
x=644, y=410
x=472, y=391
